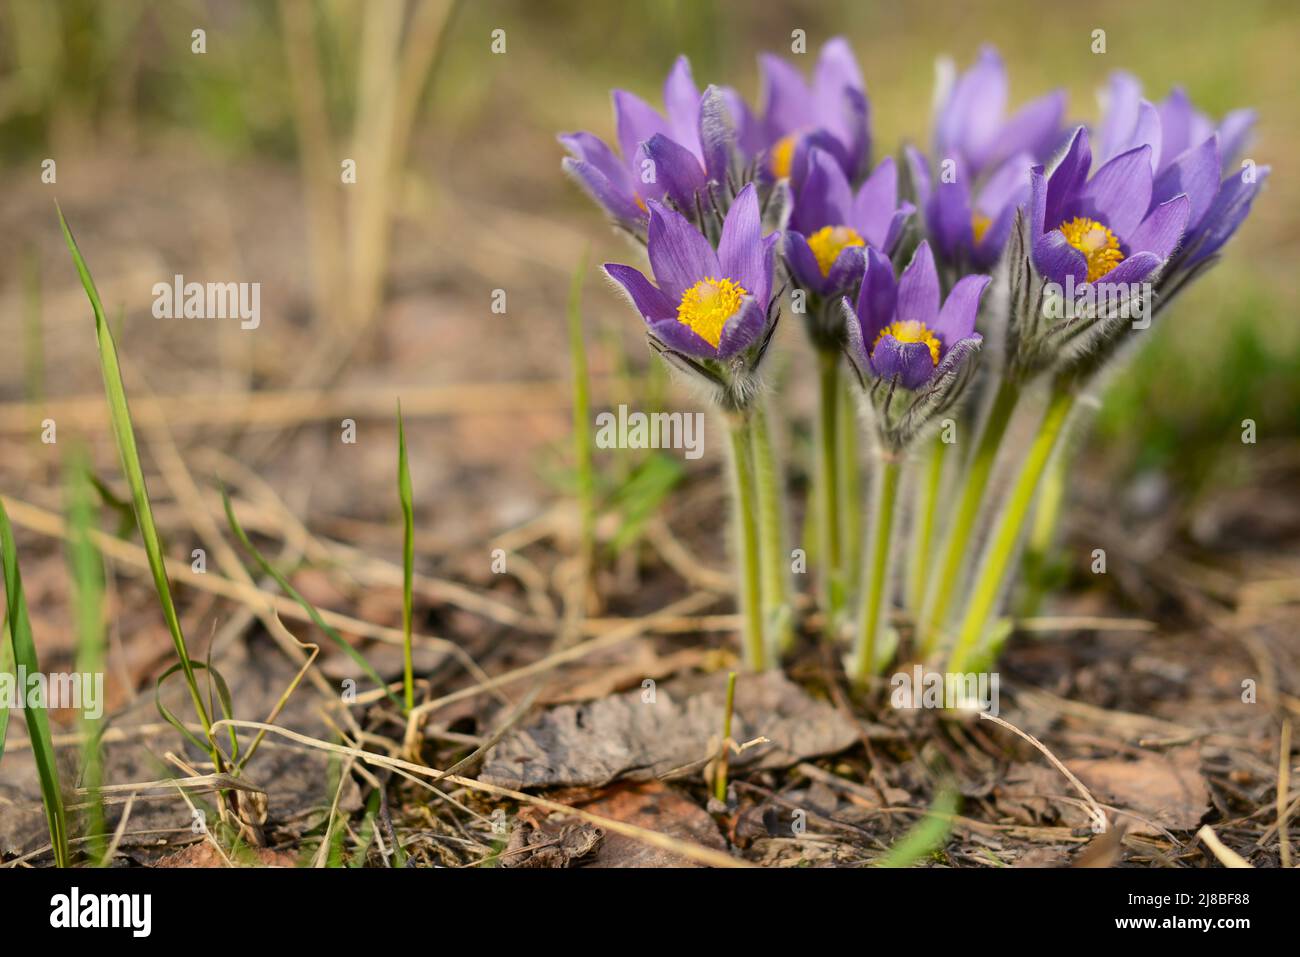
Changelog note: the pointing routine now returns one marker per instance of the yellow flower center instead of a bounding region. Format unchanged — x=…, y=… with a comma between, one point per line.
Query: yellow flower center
x=979, y=224
x=783, y=155
x=828, y=241
x=1097, y=243
x=707, y=306
x=910, y=330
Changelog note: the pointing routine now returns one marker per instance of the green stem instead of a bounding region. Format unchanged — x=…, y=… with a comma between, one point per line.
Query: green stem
x=745, y=505
x=720, y=784
x=875, y=584
x=997, y=559
x=923, y=530
x=1042, y=533
x=850, y=484
x=943, y=589
x=778, y=611
x=828, y=499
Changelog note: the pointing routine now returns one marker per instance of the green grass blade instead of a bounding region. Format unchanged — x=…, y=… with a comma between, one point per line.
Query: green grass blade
x=307, y=606
x=38, y=722
x=87, y=571
x=927, y=835
x=124, y=435
x=6, y=668
x=408, y=556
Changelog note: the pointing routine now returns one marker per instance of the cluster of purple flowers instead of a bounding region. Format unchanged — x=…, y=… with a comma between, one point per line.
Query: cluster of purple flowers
x=727, y=198
x=888, y=262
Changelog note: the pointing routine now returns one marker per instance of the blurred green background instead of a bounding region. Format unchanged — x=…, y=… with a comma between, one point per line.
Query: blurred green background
x=119, y=78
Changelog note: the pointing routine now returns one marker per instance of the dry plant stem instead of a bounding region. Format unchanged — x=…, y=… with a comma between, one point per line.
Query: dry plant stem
x=695, y=852
x=1283, y=792
x=875, y=585
x=720, y=786
x=974, y=482
x=778, y=612
x=745, y=520
x=828, y=478
x=1005, y=535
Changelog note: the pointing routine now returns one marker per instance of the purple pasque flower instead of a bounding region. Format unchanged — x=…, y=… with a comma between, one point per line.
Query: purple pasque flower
x=898, y=329
x=668, y=156
x=968, y=224
x=831, y=227
x=981, y=162
x=1189, y=154
x=971, y=125
x=831, y=113
x=707, y=304
x=1083, y=229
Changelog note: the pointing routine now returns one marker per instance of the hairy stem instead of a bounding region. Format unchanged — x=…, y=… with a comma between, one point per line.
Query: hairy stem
x=745, y=507
x=778, y=612
x=997, y=559
x=875, y=584
x=923, y=525
x=828, y=499
x=943, y=587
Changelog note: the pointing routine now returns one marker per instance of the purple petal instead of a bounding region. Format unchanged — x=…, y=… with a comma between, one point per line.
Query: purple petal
x=1119, y=118
x=824, y=198
x=1053, y=257
x=1007, y=186
x=910, y=361
x=592, y=149
x=918, y=288
x=742, y=330
x=918, y=168
x=1230, y=208
x=1234, y=133
x=968, y=125
x=621, y=206
x=807, y=271
x=846, y=272
x=740, y=249
x=873, y=207
x=646, y=298
x=878, y=297
x=677, y=171
x=682, y=104
x=897, y=223
x=1033, y=129
x=679, y=254
x=681, y=337
x=1067, y=177
x=1135, y=268
x=949, y=215
x=1119, y=194
x=749, y=132
x=636, y=121
x=1196, y=173
x=957, y=318
x=786, y=97
x=717, y=134
x=1176, y=122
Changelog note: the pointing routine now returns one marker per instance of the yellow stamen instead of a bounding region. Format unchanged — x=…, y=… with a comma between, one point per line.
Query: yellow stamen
x=641, y=203
x=910, y=330
x=783, y=156
x=707, y=306
x=979, y=224
x=1097, y=243
x=828, y=241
